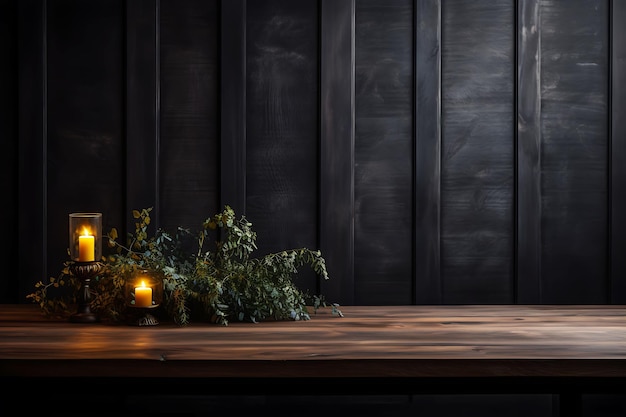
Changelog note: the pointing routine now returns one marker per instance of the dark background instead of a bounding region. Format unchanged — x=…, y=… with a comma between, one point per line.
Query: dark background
x=436, y=151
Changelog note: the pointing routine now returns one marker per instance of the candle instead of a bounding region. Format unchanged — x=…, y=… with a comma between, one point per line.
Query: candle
x=86, y=247
x=143, y=296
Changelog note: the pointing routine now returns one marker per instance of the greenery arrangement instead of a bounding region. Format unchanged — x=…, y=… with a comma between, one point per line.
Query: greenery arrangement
x=218, y=284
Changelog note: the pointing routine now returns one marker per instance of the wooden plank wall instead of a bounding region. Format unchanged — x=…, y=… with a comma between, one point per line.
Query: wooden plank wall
x=189, y=113
x=84, y=122
x=477, y=151
x=427, y=150
x=337, y=146
x=437, y=152
x=383, y=155
x=8, y=133
x=282, y=125
x=574, y=150
x=142, y=108
x=528, y=230
x=617, y=159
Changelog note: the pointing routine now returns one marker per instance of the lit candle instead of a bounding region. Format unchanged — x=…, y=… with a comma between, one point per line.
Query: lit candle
x=143, y=296
x=86, y=247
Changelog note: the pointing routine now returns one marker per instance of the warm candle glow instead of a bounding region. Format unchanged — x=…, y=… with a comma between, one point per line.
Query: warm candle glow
x=143, y=296
x=86, y=247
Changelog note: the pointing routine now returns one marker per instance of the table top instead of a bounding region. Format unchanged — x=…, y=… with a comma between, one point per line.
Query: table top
x=368, y=341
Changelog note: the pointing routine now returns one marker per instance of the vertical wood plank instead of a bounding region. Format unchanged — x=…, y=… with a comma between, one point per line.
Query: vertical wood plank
x=142, y=109
x=574, y=151
x=85, y=117
x=189, y=141
x=618, y=152
x=384, y=148
x=528, y=153
x=337, y=148
x=32, y=135
x=233, y=105
x=282, y=139
x=427, y=39
x=477, y=171
x=9, y=78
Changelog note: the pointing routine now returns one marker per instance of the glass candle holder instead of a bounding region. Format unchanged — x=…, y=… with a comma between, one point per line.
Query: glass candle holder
x=85, y=237
x=144, y=289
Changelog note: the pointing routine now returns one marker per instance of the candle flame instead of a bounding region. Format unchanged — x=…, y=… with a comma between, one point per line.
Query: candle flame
x=143, y=284
x=86, y=232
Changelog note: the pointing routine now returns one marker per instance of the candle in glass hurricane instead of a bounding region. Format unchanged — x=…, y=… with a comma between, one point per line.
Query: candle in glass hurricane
x=85, y=237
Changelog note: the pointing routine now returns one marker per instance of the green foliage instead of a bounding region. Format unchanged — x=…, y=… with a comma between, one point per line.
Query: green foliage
x=219, y=285
x=58, y=303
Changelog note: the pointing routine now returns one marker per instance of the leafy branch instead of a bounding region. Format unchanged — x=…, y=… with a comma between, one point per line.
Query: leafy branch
x=218, y=285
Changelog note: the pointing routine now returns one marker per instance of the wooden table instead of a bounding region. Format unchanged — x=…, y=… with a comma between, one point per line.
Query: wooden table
x=561, y=350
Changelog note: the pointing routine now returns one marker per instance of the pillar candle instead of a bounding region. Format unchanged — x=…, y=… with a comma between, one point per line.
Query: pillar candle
x=86, y=248
x=143, y=296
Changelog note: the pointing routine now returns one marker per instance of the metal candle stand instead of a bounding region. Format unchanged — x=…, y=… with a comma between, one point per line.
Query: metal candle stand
x=141, y=316
x=85, y=239
x=85, y=271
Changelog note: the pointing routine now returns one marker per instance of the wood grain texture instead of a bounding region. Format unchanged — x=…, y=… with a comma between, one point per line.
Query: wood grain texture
x=383, y=160
x=85, y=160
x=142, y=109
x=574, y=149
x=381, y=351
x=189, y=142
x=618, y=153
x=393, y=341
x=528, y=226
x=477, y=168
x=337, y=148
x=427, y=126
x=282, y=145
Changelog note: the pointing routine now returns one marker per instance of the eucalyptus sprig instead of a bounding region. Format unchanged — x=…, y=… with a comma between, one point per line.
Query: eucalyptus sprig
x=233, y=285
x=59, y=303
x=162, y=253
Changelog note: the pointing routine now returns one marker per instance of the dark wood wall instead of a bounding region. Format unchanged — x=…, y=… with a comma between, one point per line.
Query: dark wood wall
x=477, y=187
x=9, y=285
x=436, y=151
